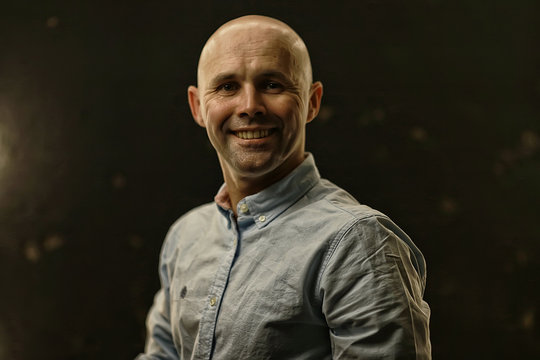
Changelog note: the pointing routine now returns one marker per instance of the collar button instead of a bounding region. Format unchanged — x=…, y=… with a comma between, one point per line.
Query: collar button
x=244, y=208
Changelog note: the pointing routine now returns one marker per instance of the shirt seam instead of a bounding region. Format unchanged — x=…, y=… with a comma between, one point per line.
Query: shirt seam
x=334, y=244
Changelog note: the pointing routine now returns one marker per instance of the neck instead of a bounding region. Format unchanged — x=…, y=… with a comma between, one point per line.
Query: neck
x=239, y=186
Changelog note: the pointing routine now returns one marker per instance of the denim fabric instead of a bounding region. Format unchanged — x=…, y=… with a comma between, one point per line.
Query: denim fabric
x=303, y=272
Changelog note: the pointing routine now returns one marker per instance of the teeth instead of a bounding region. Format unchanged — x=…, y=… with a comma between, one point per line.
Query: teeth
x=257, y=134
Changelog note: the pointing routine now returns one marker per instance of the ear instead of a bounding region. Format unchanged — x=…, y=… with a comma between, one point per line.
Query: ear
x=315, y=96
x=195, y=105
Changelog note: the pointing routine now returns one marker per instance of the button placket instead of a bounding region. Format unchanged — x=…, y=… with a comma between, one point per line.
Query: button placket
x=215, y=296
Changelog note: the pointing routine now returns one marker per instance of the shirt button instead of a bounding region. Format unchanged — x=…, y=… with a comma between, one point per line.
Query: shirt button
x=213, y=301
x=262, y=218
x=244, y=208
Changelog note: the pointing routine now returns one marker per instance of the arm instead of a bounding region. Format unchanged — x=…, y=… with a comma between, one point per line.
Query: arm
x=372, y=290
x=159, y=342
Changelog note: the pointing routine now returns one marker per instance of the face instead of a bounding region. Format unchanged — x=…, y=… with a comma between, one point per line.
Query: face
x=254, y=100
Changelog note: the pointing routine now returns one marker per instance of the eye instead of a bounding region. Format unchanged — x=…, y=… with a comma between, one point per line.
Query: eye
x=273, y=86
x=227, y=87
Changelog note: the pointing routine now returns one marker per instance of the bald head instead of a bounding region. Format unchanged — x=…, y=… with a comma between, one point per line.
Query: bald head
x=254, y=98
x=234, y=36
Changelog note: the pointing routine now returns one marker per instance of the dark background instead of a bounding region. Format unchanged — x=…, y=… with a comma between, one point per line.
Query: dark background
x=431, y=115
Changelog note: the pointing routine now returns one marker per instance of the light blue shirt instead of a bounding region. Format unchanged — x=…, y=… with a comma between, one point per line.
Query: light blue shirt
x=303, y=272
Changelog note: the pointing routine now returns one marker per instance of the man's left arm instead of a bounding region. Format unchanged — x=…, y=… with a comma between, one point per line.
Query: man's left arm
x=372, y=289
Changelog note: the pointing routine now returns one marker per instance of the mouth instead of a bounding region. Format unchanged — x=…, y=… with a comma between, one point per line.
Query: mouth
x=253, y=134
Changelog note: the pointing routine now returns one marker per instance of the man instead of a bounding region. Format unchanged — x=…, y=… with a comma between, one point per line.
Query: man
x=284, y=264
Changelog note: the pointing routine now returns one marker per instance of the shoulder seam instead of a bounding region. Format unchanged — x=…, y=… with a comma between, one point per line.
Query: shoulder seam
x=334, y=243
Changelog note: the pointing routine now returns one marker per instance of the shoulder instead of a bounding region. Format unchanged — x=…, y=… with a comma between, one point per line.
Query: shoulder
x=195, y=216
x=340, y=218
x=356, y=220
x=336, y=203
x=362, y=230
x=188, y=225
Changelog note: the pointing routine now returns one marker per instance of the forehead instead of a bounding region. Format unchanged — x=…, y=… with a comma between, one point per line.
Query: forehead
x=251, y=43
x=241, y=51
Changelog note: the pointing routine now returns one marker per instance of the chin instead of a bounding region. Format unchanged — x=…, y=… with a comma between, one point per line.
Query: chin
x=254, y=169
x=255, y=165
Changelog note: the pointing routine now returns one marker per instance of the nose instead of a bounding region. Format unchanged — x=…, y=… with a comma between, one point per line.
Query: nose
x=251, y=103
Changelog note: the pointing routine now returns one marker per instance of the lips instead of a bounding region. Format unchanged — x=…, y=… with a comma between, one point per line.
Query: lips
x=252, y=134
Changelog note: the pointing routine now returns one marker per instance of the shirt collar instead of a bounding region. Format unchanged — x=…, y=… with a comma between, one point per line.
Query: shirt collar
x=263, y=207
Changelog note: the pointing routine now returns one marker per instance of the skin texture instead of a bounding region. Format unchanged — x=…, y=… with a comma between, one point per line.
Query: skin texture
x=255, y=75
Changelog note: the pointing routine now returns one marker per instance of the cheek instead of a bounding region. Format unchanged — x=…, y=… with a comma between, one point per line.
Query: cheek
x=289, y=109
x=216, y=113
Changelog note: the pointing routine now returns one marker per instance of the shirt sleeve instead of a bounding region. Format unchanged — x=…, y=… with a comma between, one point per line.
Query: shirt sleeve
x=372, y=289
x=159, y=341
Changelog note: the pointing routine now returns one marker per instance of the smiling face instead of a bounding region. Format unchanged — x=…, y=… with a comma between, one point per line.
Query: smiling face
x=254, y=98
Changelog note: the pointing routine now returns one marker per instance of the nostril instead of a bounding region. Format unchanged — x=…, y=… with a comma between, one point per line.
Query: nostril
x=251, y=114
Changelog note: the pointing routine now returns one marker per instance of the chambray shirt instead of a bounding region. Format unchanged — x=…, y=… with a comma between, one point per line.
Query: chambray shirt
x=303, y=272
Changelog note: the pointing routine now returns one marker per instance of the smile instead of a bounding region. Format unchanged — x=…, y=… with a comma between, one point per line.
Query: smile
x=257, y=134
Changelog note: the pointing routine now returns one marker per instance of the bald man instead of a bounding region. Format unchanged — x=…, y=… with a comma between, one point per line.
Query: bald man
x=283, y=264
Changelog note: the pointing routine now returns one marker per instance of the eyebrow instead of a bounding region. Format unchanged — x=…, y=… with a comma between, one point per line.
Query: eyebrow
x=276, y=74
x=219, y=78
x=222, y=77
